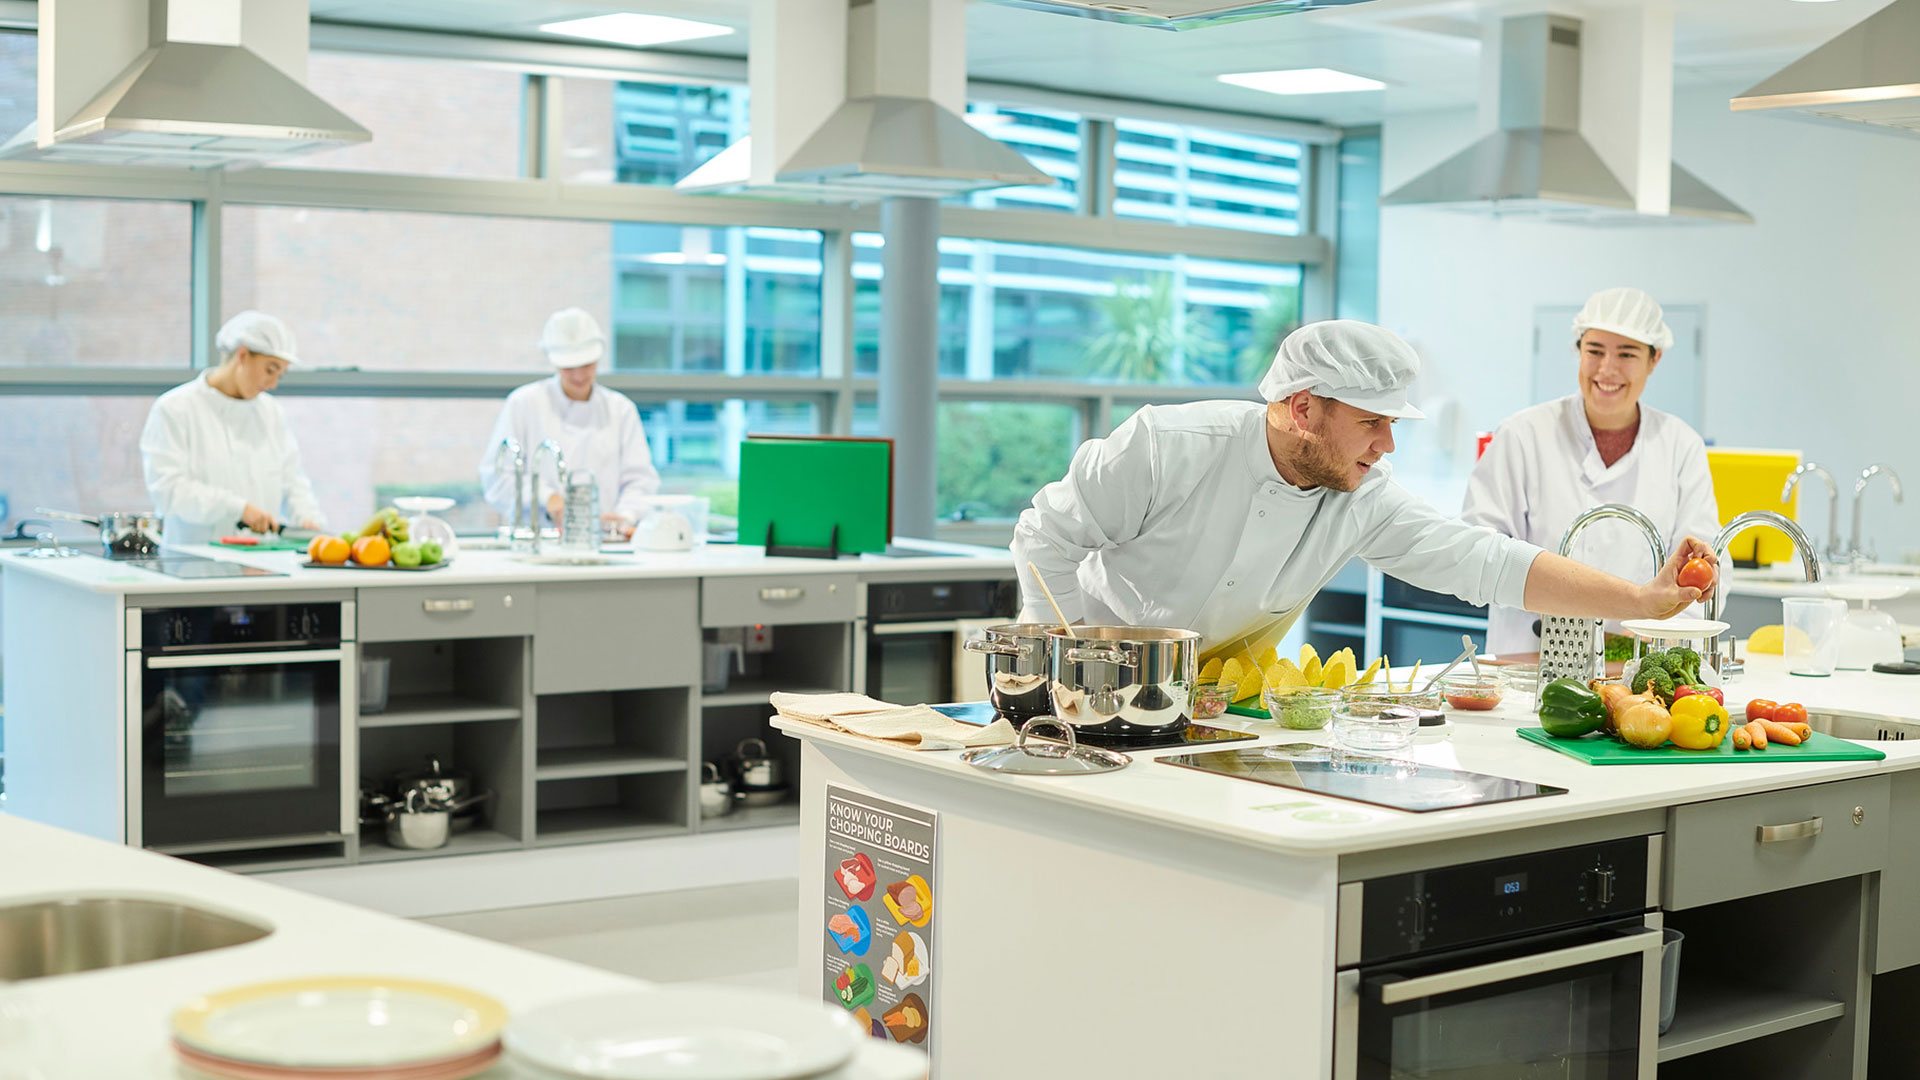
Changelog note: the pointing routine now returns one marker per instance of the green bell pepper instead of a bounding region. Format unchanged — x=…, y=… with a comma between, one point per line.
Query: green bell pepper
x=1569, y=710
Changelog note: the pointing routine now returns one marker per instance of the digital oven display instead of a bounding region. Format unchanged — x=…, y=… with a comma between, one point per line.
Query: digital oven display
x=1511, y=885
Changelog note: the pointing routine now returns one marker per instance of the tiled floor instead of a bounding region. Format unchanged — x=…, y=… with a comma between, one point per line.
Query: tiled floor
x=740, y=935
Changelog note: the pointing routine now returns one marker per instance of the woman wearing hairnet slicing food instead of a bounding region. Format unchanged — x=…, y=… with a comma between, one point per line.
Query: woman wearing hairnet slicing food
x=1549, y=463
x=1226, y=517
x=217, y=451
x=597, y=430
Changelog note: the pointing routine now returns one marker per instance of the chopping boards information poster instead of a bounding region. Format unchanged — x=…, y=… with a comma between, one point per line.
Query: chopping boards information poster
x=880, y=913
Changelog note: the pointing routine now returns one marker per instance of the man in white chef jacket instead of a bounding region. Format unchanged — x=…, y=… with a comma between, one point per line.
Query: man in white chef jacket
x=1226, y=517
x=217, y=453
x=598, y=430
x=1549, y=463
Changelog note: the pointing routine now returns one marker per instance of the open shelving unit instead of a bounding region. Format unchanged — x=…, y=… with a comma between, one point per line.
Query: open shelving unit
x=475, y=841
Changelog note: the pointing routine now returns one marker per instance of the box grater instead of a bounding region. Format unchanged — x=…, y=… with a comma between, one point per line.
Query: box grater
x=1569, y=649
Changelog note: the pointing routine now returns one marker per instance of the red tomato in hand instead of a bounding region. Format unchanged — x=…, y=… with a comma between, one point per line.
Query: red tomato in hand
x=1697, y=574
x=1760, y=709
x=1791, y=712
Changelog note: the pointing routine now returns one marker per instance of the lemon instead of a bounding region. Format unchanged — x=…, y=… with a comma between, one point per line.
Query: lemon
x=1772, y=639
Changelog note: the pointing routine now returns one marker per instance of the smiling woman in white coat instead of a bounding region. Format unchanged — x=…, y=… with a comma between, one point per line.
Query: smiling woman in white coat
x=1548, y=464
x=597, y=429
x=217, y=452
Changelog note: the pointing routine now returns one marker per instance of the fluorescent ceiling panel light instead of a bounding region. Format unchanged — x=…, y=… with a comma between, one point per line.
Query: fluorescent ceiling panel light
x=630, y=28
x=1303, y=81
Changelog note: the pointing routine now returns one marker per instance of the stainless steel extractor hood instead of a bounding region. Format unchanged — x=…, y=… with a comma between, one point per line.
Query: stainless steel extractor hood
x=207, y=85
x=1538, y=164
x=1868, y=75
x=1176, y=14
x=870, y=144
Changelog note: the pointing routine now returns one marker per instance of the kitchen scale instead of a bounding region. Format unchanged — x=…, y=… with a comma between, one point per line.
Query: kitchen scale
x=1395, y=783
x=982, y=713
x=191, y=566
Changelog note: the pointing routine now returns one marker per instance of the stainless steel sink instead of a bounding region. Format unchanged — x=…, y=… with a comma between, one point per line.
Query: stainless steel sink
x=60, y=937
x=1863, y=728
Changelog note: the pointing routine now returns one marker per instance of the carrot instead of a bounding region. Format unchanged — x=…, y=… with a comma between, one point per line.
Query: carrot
x=1742, y=739
x=1804, y=731
x=1758, y=734
x=1780, y=733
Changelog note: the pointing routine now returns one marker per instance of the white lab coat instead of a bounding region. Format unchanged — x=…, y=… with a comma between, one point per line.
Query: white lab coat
x=1180, y=519
x=601, y=435
x=206, y=456
x=1542, y=470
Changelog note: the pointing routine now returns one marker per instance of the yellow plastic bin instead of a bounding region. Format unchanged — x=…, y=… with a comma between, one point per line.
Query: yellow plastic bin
x=1746, y=480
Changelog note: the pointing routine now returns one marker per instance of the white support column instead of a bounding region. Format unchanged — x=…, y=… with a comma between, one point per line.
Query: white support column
x=909, y=356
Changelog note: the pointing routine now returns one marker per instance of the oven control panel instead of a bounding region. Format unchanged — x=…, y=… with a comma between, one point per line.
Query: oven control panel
x=928, y=601
x=1452, y=906
x=239, y=626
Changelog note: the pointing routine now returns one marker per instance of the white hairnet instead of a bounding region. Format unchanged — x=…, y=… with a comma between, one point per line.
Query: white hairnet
x=1627, y=312
x=1366, y=366
x=259, y=332
x=572, y=339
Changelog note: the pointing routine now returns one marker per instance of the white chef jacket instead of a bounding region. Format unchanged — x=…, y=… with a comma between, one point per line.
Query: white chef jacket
x=1542, y=470
x=1180, y=519
x=206, y=456
x=601, y=435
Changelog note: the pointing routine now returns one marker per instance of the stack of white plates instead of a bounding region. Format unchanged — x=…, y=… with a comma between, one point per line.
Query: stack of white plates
x=341, y=1027
x=685, y=1033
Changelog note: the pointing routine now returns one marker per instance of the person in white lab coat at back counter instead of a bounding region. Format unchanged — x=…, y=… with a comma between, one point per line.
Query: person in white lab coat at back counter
x=1226, y=517
x=217, y=453
x=1548, y=464
x=597, y=429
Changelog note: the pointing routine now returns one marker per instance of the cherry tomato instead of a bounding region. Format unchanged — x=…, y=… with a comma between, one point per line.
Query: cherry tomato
x=1760, y=709
x=1697, y=574
x=1791, y=712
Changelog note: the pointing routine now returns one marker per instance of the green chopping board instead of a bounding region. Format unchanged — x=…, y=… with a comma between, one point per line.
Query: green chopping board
x=267, y=543
x=805, y=487
x=1602, y=750
x=1250, y=707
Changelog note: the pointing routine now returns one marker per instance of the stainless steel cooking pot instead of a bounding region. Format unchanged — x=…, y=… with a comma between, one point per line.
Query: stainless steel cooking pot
x=1122, y=680
x=421, y=821
x=753, y=767
x=1016, y=655
x=134, y=532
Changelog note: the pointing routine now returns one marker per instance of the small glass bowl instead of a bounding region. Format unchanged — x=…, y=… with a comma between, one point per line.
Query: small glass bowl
x=1369, y=699
x=1301, y=708
x=1210, y=699
x=1374, y=731
x=1467, y=692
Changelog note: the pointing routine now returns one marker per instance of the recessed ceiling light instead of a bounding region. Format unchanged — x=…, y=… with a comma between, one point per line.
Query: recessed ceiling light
x=1303, y=81
x=630, y=28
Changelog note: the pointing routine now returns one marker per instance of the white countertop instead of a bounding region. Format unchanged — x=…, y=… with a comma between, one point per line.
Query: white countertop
x=1298, y=822
x=1787, y=579
x=114, y=1022
x=492, y=567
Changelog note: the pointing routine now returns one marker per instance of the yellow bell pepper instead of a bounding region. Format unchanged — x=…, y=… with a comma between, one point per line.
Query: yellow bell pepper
x=1699, y=722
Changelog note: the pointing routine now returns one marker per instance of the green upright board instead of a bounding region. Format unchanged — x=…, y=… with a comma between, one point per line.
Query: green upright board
x=805, y=487
x=1601, y=750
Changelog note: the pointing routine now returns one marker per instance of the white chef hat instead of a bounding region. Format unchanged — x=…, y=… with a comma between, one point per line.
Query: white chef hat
x=1366, y=366
x=572, y=339
x=1627, y=312
x=259, y=332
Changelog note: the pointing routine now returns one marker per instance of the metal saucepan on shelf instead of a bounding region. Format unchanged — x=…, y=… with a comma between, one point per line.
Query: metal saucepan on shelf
x=1122, y=681
x=420, y=822
x=443, y=784
x=1016, y=655
x=716, y=791
x=135, y=532
x=753, y=767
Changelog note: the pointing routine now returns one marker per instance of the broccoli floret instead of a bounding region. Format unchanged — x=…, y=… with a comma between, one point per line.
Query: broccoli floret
x=1684, y=663
x=1642, y=679
x=1662, y=684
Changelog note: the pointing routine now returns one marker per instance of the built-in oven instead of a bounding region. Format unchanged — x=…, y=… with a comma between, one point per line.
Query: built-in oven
x=910, y=648
x=235, y=715
x=1539, y=965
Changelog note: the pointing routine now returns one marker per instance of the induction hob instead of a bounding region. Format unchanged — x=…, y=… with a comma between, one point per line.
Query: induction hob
x=1395, y=783
x=982, y=713
x=192, y=566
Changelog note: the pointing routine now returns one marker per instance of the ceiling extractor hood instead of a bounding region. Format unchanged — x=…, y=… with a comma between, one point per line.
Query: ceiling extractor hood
x=1868, y=75
x=1540, y=164
x=193, y=83
x=856, y=100
x=1176, y=14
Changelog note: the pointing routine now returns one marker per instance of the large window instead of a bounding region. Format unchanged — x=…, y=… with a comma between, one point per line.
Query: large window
x=645, y=133
x=19, y=75
x=428, y=117
x=1196, y=176
x=732, y=301
x=1048, y=139
x=992, y=455
x=71, y=453
x=696, y=444
x=95, y=282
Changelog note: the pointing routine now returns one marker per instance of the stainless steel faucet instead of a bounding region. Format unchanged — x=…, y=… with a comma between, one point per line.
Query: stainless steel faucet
x=1835, y=552
x=549, y=447
x=1730, y=664
x=1621, y=512
x=1574, y=647
x=511, y=447
x=1860, y=556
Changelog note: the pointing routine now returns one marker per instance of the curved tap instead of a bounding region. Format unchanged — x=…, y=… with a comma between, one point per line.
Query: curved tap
x=1621, y=512
x=1809, y=558
x=1859, y=554
x=511, y=448
x=1834, y=550
x=547, y=446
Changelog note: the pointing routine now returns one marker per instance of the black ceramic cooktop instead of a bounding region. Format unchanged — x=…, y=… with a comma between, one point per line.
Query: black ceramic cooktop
x=1395, y=783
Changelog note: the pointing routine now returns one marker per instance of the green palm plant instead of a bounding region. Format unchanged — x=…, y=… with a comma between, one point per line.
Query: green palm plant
x=1275, y=321
x=1144, y=341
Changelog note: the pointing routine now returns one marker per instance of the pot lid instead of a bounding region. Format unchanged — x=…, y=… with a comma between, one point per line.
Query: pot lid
x=1027, y=757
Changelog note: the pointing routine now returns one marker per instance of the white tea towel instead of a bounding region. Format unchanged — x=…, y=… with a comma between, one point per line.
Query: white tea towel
x=919, y=727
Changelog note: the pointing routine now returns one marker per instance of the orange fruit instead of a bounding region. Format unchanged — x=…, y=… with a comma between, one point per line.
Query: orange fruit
x=371, y=551
x=314, y=547
x=329, y=549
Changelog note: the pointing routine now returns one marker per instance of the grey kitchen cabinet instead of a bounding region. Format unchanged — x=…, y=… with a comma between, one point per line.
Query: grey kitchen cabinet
x=1752, y=844
x=774, y=600
x=438, y=613
x=1897, y=940
x=616, y=635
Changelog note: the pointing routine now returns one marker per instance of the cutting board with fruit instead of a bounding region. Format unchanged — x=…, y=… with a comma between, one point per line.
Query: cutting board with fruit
x=1599, y=749
x=385, y=543
x=261, y=543
x=1248, y=674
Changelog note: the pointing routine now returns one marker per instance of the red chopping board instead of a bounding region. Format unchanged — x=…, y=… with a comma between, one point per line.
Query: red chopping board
x=1605, y=750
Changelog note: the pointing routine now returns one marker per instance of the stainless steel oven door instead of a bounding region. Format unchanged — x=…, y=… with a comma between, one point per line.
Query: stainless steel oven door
x=239, y=746
x=1573, y=1005
x=911, y=662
